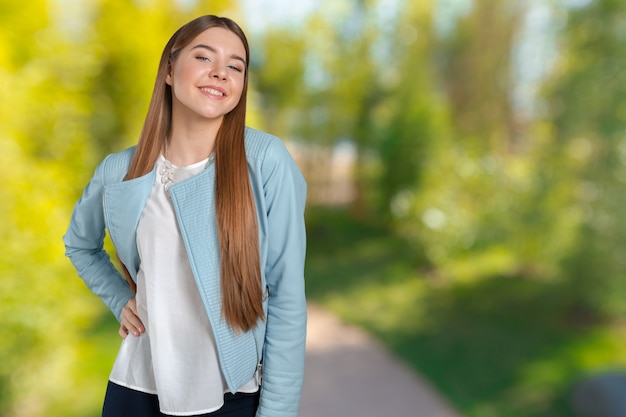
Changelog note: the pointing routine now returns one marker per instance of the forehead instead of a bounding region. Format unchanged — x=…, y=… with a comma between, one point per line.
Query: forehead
x=220, y=39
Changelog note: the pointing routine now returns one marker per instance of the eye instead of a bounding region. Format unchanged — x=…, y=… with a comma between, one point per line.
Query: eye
x=203, y=58
x=236, y=68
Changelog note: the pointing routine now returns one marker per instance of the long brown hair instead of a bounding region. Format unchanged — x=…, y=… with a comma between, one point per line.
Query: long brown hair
x=242, y=295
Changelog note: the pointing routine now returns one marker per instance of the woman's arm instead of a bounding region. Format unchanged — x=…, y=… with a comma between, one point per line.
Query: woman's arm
x=285, y=339
x=84, y=245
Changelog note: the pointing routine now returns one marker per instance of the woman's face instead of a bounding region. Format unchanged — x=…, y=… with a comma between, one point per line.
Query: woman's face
x=207, y=77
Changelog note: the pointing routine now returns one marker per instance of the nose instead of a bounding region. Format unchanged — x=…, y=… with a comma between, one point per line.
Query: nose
x=218, y=71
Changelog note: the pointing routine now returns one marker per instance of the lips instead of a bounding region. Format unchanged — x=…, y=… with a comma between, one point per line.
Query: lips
x=213, y=91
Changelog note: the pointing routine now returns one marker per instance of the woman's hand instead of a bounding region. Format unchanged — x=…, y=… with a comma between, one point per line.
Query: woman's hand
x=130, y=321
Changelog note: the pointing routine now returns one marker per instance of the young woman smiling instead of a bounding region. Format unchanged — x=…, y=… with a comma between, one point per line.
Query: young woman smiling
x=207, y=219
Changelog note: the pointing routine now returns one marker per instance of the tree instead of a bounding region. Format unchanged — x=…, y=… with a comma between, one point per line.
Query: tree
x=415, y=126
x=483, y=203
x=277, y=68
x=586, y=100
x=477, y=74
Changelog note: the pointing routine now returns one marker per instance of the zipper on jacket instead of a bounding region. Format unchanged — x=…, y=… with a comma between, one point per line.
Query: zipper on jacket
x=258, y=374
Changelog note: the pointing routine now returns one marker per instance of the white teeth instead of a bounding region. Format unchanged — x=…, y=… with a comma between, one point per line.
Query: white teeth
x=213, y=92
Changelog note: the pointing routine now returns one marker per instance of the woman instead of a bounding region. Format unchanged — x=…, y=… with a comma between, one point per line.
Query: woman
x=207, y=218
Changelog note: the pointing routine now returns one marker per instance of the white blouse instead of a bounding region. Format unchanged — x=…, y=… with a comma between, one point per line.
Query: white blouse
x=176, y=356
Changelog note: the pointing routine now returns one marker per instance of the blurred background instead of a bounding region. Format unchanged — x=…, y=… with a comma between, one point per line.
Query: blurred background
x=466, y=162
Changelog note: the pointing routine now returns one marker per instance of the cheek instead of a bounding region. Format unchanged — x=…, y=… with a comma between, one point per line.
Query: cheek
x=180, y=74
x=239, y=87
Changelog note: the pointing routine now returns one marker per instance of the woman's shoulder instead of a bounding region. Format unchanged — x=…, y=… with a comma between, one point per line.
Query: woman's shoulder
x=272, y=157
x=115, y=166
x=261, y=145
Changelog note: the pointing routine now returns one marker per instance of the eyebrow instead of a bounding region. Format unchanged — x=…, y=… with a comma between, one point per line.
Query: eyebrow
x=210, y=48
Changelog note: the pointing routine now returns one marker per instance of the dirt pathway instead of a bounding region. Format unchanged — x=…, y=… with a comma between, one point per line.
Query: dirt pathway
x=350, y=375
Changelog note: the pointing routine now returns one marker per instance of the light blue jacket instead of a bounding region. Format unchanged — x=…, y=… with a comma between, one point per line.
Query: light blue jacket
x=109, y=203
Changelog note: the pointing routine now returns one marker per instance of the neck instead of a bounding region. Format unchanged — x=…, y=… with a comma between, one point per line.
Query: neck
x=188, y=146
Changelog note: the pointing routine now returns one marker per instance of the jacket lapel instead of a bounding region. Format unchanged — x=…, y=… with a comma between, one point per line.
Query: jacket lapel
x=194, y=204
x=123, y=204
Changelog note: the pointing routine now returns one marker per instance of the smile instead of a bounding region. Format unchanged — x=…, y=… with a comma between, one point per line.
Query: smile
x=212, y=92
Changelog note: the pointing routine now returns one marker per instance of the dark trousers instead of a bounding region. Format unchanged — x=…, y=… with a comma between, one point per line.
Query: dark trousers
x=125, y=402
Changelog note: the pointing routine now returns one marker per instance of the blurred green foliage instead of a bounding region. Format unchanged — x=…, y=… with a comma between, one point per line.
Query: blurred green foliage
x=486, y=195
x=587, y=103
x=77, y=78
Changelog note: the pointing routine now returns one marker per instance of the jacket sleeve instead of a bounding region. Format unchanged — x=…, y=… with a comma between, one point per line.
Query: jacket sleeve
x=84, y=245
x=285, y=337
